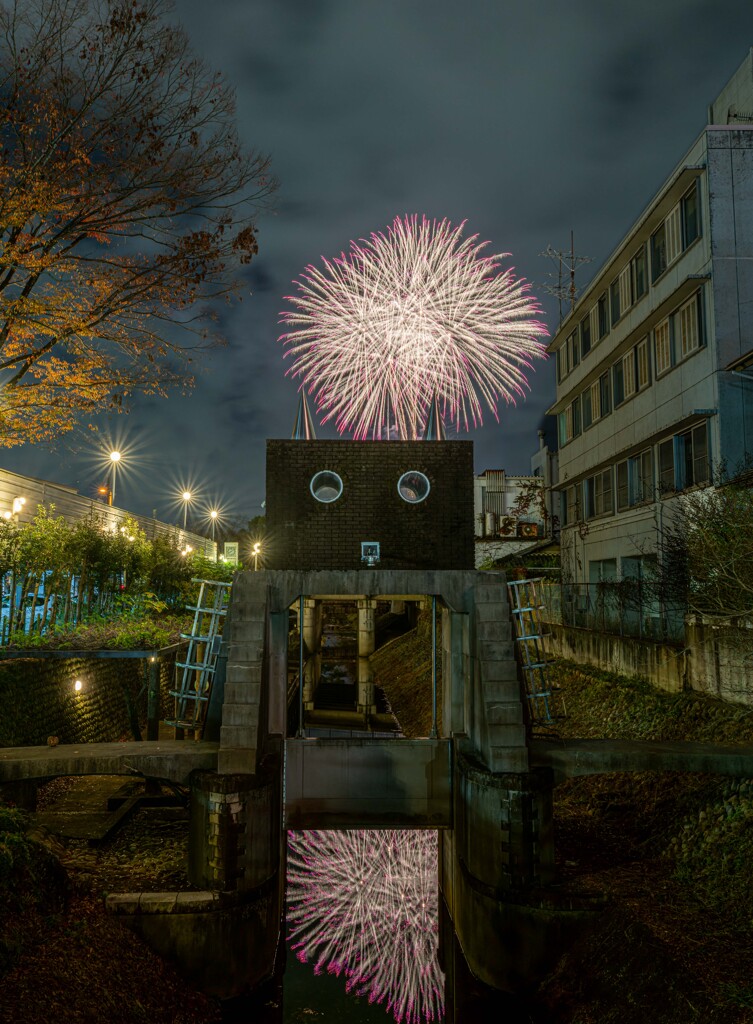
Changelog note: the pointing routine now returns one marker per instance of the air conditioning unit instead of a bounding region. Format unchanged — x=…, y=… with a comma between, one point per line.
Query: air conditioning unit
x=528, y=529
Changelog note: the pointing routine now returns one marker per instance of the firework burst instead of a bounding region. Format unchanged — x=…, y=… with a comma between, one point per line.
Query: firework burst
x=364, y=904
x=411, y=313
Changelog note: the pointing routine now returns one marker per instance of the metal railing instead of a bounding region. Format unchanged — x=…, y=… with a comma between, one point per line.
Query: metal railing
x=623, y=607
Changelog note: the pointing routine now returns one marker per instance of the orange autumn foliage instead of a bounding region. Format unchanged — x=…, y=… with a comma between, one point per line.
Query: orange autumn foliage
x=127, y=205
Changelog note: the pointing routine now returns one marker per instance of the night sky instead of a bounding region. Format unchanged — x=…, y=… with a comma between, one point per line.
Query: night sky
x=524, y=119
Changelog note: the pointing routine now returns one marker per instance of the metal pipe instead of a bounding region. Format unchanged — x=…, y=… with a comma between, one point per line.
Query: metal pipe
x=300, y=665
x=433, y=732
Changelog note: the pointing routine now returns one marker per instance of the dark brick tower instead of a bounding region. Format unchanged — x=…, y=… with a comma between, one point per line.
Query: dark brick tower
x=325, y=499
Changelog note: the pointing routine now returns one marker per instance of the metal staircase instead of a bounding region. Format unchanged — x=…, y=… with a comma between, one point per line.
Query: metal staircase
x=527, y=605
x=192, y=694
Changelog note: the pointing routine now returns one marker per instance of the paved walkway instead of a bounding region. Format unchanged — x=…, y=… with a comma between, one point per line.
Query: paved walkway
x=166, y=759
x=570, y=758
x=176, y=759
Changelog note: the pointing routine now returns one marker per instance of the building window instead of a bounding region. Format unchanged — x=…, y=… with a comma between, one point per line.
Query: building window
x=598, y=493
x=673, y=225
x=585, y=336
x=413, y=487
x=595, y=401
x=614, y=300
x=586, y=411
x=618, y=382
x=667, y=466
x=573, y=349
x=641, y=359
x=691, y=226
x=623, y=488
x=628, y=375
x=602, y=571
x=693, y=457
x=572, y=504
x=603, y=306
x=684, y=460
x=605, y=395
x=643, y=477
x=658, y=252
x=326, y=486
x=663, y=346
x=679, y=229
x=688, y=326
x=635, y=480
x=639, y=274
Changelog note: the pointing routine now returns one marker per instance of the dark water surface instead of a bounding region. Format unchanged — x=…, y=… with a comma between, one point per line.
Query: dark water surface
x=363, y=911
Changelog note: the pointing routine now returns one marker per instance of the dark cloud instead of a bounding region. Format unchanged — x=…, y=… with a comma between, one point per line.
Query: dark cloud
x=527, y=119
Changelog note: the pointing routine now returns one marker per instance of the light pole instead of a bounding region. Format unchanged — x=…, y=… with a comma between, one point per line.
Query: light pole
x=114, y=460
x=213, y=516
x=255, y=553
x=186, y=499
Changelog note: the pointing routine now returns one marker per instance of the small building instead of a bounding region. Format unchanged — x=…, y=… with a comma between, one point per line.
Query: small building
x=383, y=504
x=655, y=361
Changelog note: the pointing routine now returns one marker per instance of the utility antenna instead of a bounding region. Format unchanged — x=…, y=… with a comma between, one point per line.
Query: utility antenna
x=567, y=264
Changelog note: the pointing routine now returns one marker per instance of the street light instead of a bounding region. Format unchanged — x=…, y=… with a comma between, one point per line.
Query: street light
x=186, y=496
x=213, y=514
x=114, y=460
x=255, y=553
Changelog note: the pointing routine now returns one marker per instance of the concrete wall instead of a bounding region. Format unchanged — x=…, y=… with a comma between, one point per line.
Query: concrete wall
x=368, y=783
x=303, y=533
x=721, y=658
x=717, y=657
x=38, y=699
x=663, y=665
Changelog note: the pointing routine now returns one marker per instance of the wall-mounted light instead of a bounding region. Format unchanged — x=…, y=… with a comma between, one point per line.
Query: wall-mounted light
x=18, y=504
x=78, y=686
x=7, y=515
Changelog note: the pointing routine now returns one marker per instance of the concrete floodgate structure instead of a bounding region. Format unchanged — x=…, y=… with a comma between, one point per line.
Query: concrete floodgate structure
x=473, y=782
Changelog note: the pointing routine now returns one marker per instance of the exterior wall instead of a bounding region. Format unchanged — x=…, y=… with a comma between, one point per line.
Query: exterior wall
x=663, y=665
x=715, y=659
x=304, y=533
x=38, y=699
x=73, y=506
x=735, y=98
x=701, y=387
x=720, y=663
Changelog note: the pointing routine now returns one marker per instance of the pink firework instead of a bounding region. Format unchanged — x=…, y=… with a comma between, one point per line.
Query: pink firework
x=363, y=904
x=410, y=313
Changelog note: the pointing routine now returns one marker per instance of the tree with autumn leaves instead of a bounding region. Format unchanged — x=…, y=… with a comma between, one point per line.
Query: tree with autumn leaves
x=127, y=204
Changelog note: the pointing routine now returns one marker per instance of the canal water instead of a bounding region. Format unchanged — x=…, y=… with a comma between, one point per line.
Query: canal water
x=363, y=917
x=362, y=936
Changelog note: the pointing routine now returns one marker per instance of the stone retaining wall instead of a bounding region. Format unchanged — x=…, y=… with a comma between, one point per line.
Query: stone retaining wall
x=38, y=699
x=663, y=665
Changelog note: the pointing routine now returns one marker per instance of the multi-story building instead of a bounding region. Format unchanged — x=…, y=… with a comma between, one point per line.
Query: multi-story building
x=655, y=361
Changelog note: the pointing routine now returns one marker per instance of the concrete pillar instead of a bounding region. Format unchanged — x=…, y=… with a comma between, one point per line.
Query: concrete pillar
x=495, y=868
x=312, y=649
x=227, y=937
x=366, y=645
x=455, y=671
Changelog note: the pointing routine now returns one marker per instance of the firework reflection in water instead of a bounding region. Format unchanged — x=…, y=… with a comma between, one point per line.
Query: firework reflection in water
x=364, y=904
x=410, y=313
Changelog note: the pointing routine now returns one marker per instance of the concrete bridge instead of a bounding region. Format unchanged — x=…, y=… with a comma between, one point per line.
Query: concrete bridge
x=480, y=780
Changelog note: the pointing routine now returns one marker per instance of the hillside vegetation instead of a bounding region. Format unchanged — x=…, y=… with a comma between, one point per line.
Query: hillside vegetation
x=670, y=852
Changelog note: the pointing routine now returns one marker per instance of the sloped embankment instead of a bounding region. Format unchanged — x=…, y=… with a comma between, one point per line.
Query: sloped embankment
x=402, y=668
x=672, y=853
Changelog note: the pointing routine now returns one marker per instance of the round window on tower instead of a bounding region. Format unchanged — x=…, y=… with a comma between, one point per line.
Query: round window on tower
x=413, y=487
x=326, y=486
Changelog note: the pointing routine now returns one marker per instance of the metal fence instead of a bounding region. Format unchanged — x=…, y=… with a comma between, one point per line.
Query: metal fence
x=623, y=607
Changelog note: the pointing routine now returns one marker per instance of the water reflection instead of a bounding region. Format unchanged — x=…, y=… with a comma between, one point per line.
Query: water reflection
x=364, y=905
